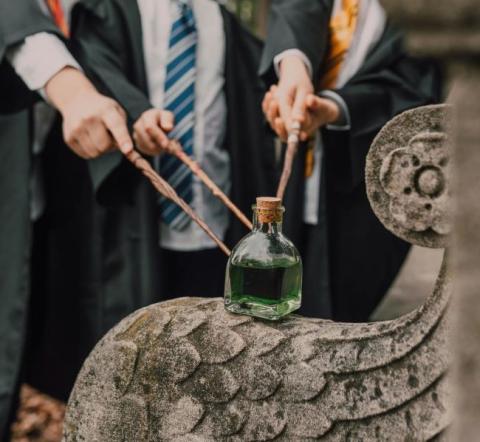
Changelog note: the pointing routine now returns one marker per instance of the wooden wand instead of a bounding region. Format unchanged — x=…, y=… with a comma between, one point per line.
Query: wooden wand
x=292, y=148
x=169, y=192
x=175, y=149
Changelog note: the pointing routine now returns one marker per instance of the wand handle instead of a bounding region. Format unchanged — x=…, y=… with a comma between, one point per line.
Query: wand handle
x=169, y=192
x=292, y=148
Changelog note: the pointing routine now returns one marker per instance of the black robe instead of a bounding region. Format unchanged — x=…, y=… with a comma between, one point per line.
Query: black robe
x=18, y=20
x=101, y=235
x=350, y=259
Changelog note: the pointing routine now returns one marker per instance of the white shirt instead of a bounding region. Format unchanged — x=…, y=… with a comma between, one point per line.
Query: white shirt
x=210, y=111
x=36, y=60
x=41, y=55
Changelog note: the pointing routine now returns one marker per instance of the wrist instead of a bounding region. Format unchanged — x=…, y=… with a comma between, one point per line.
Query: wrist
x=67, y=84
x=334, y=112
x=277, y=60
x=294, y=64
x=342, y=122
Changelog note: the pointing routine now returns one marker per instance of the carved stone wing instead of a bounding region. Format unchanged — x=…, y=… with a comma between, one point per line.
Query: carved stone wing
x=186, y=370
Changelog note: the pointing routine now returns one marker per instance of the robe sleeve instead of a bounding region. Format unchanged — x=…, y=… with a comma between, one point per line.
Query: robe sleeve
x=390, y=82
x=101, y=46
x=18, y=20
x=14, y=94
x=296, y=24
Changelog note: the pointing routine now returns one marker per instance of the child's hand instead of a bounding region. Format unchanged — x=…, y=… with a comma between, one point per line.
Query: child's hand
x=150, y=131
x=317, y=113
x=271, y=110
x=293, y=87
x=320, y=112
x=93, y=124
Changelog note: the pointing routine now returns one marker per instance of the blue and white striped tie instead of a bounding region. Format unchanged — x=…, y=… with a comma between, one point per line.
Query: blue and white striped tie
x=179, y=99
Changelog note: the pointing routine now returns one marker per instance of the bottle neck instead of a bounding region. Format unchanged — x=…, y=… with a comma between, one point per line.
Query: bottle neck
x=273, y=227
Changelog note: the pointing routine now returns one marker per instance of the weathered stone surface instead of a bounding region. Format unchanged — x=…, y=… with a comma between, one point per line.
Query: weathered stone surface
x=421, y=170
x=444, y=29
x=466, y=253
x=438, y=12
x=450, y=31
x=411, y=194
x=277, y=394
x=187, y=370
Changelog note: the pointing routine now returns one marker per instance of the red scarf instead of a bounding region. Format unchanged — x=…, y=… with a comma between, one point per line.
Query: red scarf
x=56, y=9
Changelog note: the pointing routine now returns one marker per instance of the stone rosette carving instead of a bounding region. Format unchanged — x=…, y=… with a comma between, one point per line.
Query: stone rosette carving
x=415, y=177
x=408, y=173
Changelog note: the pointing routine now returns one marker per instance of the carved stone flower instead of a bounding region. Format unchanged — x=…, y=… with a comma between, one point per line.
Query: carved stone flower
x=415, y=177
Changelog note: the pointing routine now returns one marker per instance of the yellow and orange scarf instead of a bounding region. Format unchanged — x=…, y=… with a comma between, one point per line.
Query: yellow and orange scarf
x=342, y=29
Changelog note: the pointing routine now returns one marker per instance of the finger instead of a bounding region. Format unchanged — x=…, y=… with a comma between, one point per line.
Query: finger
x=151, y=121
x=71, y=142
x=304, y=136
x=273, y=112
x=271, y=97
x=266, y=102
x=144, y=142
x=316, y=114
x=77, y=148
x=158, y=137
x=95, y=150
x=117, y=125
x=299, y=106
x=100, y=137
x=167, y=120
x=285, y=102
x=313, y=102
x=308, y=125
x=280, y=129
x=87, y=145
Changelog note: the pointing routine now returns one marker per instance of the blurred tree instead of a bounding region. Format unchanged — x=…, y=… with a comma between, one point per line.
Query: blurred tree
x=253, y=13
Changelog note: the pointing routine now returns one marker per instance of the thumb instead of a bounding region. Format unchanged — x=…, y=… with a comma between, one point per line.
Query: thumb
x=166, y=120
x=313, y=103
x=285, y=101
x=115, y=122
x=299, y=108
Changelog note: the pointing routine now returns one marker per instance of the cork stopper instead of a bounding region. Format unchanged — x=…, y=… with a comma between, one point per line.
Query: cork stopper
x=269, y=209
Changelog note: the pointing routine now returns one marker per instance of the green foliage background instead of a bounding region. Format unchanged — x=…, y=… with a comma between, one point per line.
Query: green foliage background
x=253, y=13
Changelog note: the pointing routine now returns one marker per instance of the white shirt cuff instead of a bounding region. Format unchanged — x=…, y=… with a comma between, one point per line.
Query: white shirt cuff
x=39, y=58
x=298, y=53
x=344, y=122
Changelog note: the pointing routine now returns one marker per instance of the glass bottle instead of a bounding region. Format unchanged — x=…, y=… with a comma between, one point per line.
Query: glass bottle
x=264, y=272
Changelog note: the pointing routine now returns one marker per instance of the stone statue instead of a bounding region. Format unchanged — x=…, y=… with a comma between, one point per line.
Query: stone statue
x=186, y=370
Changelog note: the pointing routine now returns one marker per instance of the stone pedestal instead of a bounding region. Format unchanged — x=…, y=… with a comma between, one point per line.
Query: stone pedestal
x=449, y=30
x=187, y=370
x=466, y=251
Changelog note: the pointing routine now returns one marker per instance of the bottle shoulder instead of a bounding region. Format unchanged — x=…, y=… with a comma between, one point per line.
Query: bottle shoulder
x=265, y=249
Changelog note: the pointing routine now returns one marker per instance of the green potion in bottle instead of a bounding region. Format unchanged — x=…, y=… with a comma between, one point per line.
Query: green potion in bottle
x=264, y=272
